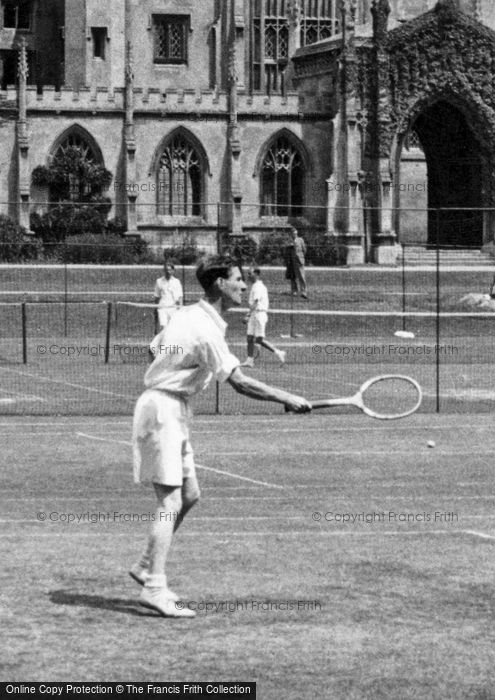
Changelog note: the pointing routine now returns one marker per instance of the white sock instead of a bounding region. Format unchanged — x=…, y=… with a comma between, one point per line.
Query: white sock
x=156, y=581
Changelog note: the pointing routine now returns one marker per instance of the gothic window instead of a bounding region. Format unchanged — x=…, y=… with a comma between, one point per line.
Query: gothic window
x=78, y=190
x=319, y=20
x=170, y=38
x=412, y=141
x=180, y=177
x=17, y=14
x=282, y=180
x=270, y=45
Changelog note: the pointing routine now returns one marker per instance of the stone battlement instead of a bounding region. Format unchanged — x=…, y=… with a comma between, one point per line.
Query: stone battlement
x=153, y=100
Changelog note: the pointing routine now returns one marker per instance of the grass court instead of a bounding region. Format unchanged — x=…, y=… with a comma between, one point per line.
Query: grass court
x=403, y=606
x=331, y=556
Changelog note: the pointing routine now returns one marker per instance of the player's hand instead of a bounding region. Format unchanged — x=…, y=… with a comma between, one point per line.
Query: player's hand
x=245, y=320
x=297, y=404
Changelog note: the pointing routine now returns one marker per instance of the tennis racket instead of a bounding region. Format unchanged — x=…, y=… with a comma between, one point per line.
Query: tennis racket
x=386, y=397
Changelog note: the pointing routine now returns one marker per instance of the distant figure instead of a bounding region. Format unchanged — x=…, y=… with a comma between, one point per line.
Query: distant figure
x=257, y=319
x=168, y=294
x=492, y=290
x=295, y=260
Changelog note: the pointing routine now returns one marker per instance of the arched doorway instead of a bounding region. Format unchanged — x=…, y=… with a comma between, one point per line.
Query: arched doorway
x=454, y=176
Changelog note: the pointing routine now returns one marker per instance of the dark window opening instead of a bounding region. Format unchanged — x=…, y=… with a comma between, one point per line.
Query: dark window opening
x=17, y=15
x=170, y=34
x=99, y=36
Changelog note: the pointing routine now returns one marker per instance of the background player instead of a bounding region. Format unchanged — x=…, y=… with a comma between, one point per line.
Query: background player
x=162, y=450
x=257, y=319
x=168, y=294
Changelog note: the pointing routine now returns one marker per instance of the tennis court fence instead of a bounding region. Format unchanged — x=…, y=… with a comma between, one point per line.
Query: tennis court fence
x=89, y=358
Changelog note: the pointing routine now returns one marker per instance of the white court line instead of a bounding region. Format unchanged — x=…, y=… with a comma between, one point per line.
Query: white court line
x=198, y=466
x=255, y=533
x=481, y=535
x=343, y=453
x=21, y=397
x=61, y=381
x=103, y=439
x=275, y=421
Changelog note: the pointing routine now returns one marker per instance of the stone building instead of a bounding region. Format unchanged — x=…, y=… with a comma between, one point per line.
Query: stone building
x=244, y=116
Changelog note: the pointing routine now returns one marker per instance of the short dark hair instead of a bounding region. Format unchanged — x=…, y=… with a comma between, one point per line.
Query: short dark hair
x=169, y=262
x=213, y=267
x=256, y=270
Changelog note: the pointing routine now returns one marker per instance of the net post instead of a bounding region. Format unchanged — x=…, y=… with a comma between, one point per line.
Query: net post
x=24, y=333
x=291, y=316
x=218, y=229
x=437, y=315
x=65, y=287
x=217, y=398
x=183, y=272
x=107, y=334
x=403, y=286
x=156, y=325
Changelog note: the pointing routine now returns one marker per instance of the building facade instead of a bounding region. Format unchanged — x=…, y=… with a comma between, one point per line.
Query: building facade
x=246, y=116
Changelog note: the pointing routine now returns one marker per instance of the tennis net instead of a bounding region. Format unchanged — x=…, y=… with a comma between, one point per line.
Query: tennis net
x=90, y=358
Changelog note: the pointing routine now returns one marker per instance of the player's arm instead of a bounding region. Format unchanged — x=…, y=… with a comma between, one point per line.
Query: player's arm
x=247, y=386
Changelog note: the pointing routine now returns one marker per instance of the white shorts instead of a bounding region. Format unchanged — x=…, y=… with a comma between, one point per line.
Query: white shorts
x=165, y=313
x=257, y=324
x=160, y=439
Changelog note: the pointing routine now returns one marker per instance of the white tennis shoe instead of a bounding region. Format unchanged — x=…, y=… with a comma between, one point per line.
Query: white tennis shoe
x=160, y=601
x=248, y=362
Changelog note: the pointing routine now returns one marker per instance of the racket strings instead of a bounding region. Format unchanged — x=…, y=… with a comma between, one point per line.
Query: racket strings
x=392, y=396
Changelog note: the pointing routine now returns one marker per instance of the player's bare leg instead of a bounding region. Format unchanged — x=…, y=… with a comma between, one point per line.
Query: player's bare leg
x=156, y=594
x=280, y=354
x=249, y=361
x=190, y=496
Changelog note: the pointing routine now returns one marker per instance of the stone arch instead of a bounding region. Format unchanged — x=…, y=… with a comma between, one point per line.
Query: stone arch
x=455, y=137
x=78, y=133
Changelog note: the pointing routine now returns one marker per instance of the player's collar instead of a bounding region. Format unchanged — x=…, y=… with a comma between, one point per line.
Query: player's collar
x=213, y=314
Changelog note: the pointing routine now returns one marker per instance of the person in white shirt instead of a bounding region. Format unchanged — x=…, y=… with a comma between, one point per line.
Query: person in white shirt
x=257, y=319
x=168, y=294
x=189, y=352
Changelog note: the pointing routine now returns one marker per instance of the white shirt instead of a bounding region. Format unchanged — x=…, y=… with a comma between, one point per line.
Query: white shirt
x=169, y=292
x=258, y=297
x=190, y=351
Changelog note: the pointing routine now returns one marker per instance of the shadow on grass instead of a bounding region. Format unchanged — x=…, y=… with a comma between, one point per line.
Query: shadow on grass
x=122, y=605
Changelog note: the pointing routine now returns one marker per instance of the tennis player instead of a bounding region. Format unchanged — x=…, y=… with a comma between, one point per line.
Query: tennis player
x=168, y=294
x=257, y=319
x=189, y=352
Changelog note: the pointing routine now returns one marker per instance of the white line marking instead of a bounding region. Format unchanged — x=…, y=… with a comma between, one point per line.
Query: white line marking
x=251, y=533
x=482, y=535
x=61, y=381
x=198, y=466
x=361, y=453
x=273, y=420
x=102, y=439
x=237, y=476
